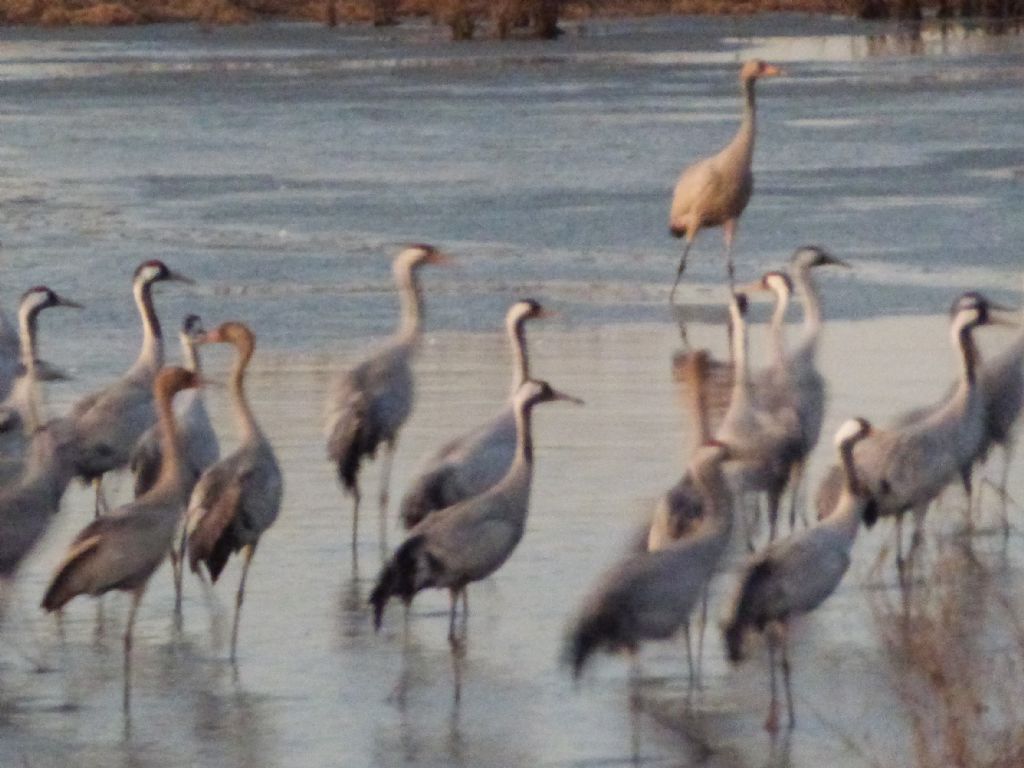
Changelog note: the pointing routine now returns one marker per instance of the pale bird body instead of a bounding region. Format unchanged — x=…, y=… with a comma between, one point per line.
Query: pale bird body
x=715, y=191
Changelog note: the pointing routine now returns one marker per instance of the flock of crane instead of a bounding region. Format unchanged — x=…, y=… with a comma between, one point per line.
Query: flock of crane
x=466, y=508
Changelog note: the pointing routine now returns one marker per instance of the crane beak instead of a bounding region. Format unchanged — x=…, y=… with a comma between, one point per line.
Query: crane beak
x=828, y=258
x=209, y=337
x=180, y=278
x=770, y=70
x=567, y=397
x=547, y=314
x=438, y=257
x=62, y=302
x=1000, y=314
x=755, y=287
x=205, y=383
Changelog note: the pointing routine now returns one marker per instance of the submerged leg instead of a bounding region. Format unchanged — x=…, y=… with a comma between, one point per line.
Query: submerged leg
x=178, y=564
x=453, y=596
x=689, y=654
x=136, y=599
x=785, y=677
x=247, y=553
x=681, y=268
x=771, y=724
x=700, y=633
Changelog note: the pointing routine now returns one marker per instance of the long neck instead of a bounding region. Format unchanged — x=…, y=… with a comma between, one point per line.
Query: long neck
x=412, y=305
x=743, y=143
x=520, y=358
x=239, y=402
x=170, y=444
x=190, y=353
x=963, y=340
x=778, y=333
x=846, y=516
x=696, y=402
x=740, y=383
x=812, y=302
x=152, y=354
x=715, y=495
x=28, y=318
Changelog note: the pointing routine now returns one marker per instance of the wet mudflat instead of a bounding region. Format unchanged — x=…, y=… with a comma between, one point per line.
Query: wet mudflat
x=281, y=166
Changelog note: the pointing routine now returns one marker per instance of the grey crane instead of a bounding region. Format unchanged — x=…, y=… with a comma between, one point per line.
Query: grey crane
x=650, y=595
x=20, y=411
x=110, y=422
x=906, y=466
x=239, y=497
x=201, y=446
x=28, y=504
x=122, y=550
x=795, y=575
x=473, y=462
x=368, y=404
x=792, y=381
x=1002, y=386
x=768, y=441
x=714, y=191
x=469, y=541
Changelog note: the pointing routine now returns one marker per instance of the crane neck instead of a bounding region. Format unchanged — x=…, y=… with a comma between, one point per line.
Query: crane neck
x=27, y=383
x=696, y=401
x=812, y=301
x=190, y=354
x=151, y=356
x=172, y=469
x=247, y=425
x=715, y=494
x=412, y=303
x=963, y=341
x=48, y=469
x=777, y=337
x=743, y=143
x=516, y=329
x=741, y=382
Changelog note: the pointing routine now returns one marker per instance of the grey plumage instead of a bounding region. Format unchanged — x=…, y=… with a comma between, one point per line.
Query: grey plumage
x=469, y=541
x=109, y=422
x=470, y=464
x=201, y=448
x=650, y=595
x=795, y=575
x=239, y=497
x=368, y=405
x=715, y=191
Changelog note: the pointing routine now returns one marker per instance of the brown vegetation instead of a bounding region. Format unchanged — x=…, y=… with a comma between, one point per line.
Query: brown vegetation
x=955, y=644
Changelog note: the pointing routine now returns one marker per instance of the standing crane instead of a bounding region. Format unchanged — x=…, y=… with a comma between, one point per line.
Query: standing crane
x=110, y=422
x=906, y=466
x=369, y=404
x=714, y=191
x=469, y=541
x=122, y=550
x=650, y=595
x=470, y=464
x=795, y=575
x=20, y=411
x=239, y=497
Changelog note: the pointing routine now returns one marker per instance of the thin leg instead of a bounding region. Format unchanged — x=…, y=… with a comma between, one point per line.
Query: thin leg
x=1004, y=479
x=771, y=724
x=900, y=565
x=465, y=611
x=774, y=497
x=785, y=678
x=729, y=229
x=965, y=478
x=918, y=536
x=102, y=506
x=796, y=476
x=136, y=599
x=700, y=633
x=385, y=475
x=453, y=596
x=247, y=553
x=681, y=268
x=689, y=654
x=355, y=515
x=178, y=564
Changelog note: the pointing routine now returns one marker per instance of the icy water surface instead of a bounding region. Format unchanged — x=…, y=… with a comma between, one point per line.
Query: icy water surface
x=282, y=167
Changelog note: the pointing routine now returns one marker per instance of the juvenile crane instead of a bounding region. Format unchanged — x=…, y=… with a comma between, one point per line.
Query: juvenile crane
x=369, y=404
x=469, y=541
x=20, y=412
x=239, y=497
x=110, y=422
x=122, y=550
x=714, y=191
x=650, y=595
x=795, y=575
x=469, y=465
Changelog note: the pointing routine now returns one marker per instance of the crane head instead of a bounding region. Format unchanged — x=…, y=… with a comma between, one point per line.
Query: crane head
x=534, y=391
x=527, y=309
x=40, y=297
x=852, y=431
x=154, y=270
x=192, y=327
x=808, y=256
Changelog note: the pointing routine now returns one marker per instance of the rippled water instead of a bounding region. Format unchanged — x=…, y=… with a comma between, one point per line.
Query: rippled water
x=281, y=166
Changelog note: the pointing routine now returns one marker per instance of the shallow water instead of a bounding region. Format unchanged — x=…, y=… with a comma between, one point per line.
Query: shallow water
x=281, y=166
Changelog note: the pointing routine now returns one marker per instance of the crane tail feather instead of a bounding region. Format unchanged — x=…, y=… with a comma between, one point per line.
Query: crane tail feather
x=64, y=586
x=398, y=577
x=749, y=610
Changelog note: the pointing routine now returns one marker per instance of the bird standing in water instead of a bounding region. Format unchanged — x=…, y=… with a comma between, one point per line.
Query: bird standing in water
x=714, y=191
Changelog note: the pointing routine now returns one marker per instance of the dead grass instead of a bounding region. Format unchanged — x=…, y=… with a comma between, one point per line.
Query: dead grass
x=955, y=645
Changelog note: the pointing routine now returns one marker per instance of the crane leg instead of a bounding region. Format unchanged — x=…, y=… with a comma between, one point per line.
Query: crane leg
x=178, y=564
x=771, y=724
x=786, y=677
x=680, y=269
x=965, y=478
x=355, y=516
x=700, y=633
x=465, y=610
x=729, y=230
x=1004, y=479
x=689, y=654
x=102, y=507
x=918, y=536
x=385, y=475
x=774, y=497
x=247, y=553
x=796, y=477
x=453, y=596
x=900, y=564
x=136, y=599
